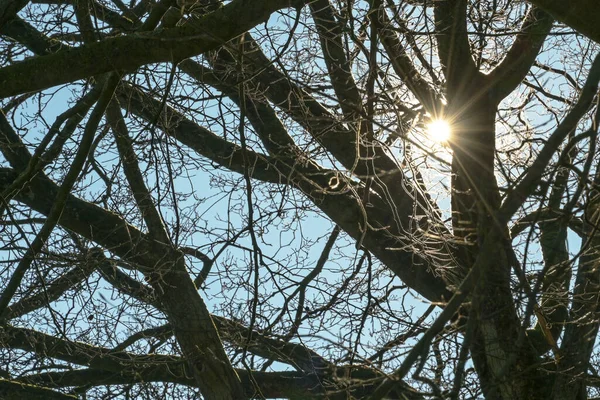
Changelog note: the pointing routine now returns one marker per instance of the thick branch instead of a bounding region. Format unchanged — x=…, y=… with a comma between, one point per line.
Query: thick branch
x=259, y=112
x=402, y=63
x=289, y=385
x=581, y=15
x=164, y=268
x=233, y=332
x=9, y=9
x=327, y=128
x=338, y=65
x=51, y=292
x=134, y=50
x=522, y=54
x=211, y=146
x=13, y=390
x=453, y=45
x=341, y=205
x=307, y=111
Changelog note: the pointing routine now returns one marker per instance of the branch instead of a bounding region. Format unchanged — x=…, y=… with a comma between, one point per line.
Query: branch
x=581, y=330
x=109, y=367
x=338, y=65
x=233, y=332
x=530, y=181
x=28, y=36
x=341, y=205
x=200, y=139
x=522, y=54
x=128, y=157
x=289, y=385
x=163, y=266
x=543, y=215
x=581, y=15
x=62, y=194
x=132, y=51
x=9, y=9
x=113, y=233
x=411, y=268
x=402, y=63
x=45, y=345
x=325, y=127
x=121, y=238
x=556, y=274
x=51, y=291
x=10, y=389
x=259, y=112
x=421, y=348
x=453, y=46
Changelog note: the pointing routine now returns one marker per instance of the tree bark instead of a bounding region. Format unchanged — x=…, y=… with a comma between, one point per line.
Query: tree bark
x=581, y=15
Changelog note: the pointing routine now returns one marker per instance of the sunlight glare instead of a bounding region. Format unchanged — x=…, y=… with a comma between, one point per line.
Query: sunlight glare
x=439, y=130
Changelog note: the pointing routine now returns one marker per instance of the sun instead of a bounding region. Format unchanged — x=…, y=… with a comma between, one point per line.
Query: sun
x=439, y=130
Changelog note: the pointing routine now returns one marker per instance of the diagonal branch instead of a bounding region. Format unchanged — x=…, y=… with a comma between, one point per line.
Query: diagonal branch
x=211, y=146
x=383, y=236
x=62, y=194
x=530, y=181
x=141, y=194
x=520, y=57
x=581, y=15
x=402, y=63
x=410, y=267
x=325, y=127
x=17, y=390
x=259, y=112
x=233, y=332
x=338, y=65
x=51, y=292
x=132, y=51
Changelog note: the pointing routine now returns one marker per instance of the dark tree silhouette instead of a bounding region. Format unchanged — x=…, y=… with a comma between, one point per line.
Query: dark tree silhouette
x=244, y=199
x=581, y=15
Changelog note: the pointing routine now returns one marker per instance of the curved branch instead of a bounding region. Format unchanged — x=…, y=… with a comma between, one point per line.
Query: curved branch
x=134, y=50
x=522, y=54
x=382, y=235
x=530, y=181
x=581, y=15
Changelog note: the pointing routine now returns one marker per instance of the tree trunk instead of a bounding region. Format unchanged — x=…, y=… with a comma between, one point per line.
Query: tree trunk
x=500, y=352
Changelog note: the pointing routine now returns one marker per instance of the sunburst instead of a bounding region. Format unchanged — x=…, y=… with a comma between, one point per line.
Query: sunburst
x=439, y=130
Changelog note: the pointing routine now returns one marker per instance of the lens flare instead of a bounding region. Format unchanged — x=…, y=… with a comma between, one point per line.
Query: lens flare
x=439, y=130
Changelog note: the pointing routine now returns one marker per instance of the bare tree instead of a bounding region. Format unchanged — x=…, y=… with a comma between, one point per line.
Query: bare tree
x=245, y=199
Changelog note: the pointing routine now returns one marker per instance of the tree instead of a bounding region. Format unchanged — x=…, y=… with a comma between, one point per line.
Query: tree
x=241, y=200
x=581, y=15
